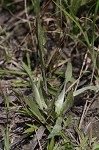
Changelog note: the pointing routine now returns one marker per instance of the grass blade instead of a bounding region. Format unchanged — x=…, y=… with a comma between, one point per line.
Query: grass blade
x=34, y=109
x=34, y=87
x=93, y=88
x=60, y=100
x=57, y=128
x=68, y=102
x=6, y=139
x=68, y=73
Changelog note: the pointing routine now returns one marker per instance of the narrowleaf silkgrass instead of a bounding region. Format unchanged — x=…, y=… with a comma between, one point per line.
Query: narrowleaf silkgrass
x=48, y=111
x=62, y=103
x=40, y=110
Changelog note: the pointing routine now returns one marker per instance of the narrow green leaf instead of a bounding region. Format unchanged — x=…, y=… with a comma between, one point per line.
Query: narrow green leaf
x=37, y=97
x=51, y=144
x=59, y=102
x=68, y=121
x=2, y=72
x=31, y=129
x=93, y=88
x=34, y=87
x=28, y=71
x=6, y=140
x=57, y=128
x=41, y=94
x=34, y=109
x=68, y=73
x=52, y=91
x=68, y=102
